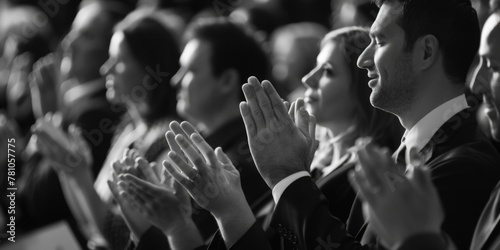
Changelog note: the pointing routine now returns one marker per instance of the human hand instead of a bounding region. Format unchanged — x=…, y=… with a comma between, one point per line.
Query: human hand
x=397, y=206
x=282, y=143
x=158, y=199
x=18, y=93
x=210, y=178
x=68, y=151
x=132, y=217
x=44, y=86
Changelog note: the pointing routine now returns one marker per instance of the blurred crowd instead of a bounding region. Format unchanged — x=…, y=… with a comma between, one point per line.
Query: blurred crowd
x=153, y=124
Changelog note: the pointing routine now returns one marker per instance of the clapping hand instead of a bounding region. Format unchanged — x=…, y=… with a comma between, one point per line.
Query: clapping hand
x=281, y=142
x=210, y=178
x=397, y=206
x=159, y=199
x=68, y=151
x=43, y=84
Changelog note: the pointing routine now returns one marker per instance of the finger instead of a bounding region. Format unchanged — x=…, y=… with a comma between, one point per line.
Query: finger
x=298, y=105
x=157, y=171
x=127, y=162
x=287, y=105
x=57, y=119
x=48, y=117
x=181, y=165
x=178, y=130
x=205, y=149
x=188, y=128
x=248, y=120
x=170, y=136
x=125, y=153
x=226, y=162
x=134, y=154
x=176, y=174
x=291, y=112
x=115, y=189
x=143, y=188
x=129, y=194
x=263, y=100
x=165, y=176
x=76, y=141
x=303, y=121
x=115, y=192
x=193, y=155
x=146, y=171
x=312, y=127
x=253, y=105
x=118, y=167
x=221, y=156
x=278, y=107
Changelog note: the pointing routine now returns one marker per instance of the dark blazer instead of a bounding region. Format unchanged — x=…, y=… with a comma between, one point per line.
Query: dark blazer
x=487, y=234
x=464, y=167
x=335, y=186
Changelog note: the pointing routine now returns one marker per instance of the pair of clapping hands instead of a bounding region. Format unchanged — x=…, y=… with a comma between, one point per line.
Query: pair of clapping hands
x=274, y=128
x=68, y=150
x=282, y=142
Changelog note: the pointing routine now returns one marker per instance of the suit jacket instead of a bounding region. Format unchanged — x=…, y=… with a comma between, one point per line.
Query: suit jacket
x=464, y=167
x=487, y=234
x=335, y=186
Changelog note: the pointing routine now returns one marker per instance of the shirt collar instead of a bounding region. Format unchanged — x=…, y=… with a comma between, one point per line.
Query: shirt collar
x=423, y=131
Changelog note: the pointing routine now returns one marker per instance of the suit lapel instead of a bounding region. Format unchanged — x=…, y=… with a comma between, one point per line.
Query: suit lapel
x=445, y=138
x=488, y=229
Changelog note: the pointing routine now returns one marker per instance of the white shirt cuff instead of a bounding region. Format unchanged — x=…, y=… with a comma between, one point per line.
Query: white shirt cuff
x=280, y=188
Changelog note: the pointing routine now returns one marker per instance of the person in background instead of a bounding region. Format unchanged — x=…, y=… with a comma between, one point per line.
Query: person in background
x=143, y=55
x=293, y=51
x=417, y=73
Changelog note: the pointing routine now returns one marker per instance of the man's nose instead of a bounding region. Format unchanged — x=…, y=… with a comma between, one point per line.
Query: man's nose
x=481, y=79
x=365, y=60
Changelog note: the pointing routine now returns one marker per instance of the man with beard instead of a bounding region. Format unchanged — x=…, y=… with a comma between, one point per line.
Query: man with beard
x=417, y=199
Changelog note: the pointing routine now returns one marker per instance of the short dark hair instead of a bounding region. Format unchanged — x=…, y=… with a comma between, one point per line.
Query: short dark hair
x=155, y=47
x=382, y=127
x=233, y=45
x=453, y=22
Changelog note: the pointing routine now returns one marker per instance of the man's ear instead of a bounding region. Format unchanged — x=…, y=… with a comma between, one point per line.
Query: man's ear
x=427, y=51
x=229, y=80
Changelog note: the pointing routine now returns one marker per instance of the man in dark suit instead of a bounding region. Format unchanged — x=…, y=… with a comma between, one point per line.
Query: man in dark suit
x=213, y=68
x=418, y=70
x=422, y=227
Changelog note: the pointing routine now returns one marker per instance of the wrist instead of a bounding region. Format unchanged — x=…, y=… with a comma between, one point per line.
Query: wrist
x=280, y=174
x=184, y=236
x=233, y=225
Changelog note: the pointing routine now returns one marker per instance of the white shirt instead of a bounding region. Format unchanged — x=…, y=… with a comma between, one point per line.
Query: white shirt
x=417, y=137
x=423, y=131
